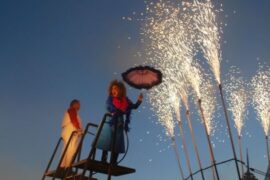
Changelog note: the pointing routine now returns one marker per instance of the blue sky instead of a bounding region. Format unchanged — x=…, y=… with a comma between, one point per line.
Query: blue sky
x=54, y=51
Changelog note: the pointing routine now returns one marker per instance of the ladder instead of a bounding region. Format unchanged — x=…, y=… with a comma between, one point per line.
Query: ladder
x=79, y=167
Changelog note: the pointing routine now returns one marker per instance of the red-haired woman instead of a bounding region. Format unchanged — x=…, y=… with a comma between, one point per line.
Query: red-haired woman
x=118, y=105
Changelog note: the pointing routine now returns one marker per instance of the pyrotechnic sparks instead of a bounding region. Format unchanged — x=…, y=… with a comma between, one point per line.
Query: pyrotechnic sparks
x=162, y=105
x=175, y=103
x=168, y=48
x=238, y=99
x=159, y=98
x=209, y=105
x=170, y=36
x=195, y=77
x=261, y=97
x=170, y=30
x=209, y=34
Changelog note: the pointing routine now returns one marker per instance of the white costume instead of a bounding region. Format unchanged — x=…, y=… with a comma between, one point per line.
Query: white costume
x=67, y=129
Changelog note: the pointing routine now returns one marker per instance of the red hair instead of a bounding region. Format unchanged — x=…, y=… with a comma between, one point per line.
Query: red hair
x=121, y=87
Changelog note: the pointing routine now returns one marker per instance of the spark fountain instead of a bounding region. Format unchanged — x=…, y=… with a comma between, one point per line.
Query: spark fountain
x=261, y=101
x=171, y=50
x=177, y=106
x=238, y=99
x=194, y=141
x=195, y=78
x=176, y=34
x=159, y=98
x=182, y=88
x=209, y=41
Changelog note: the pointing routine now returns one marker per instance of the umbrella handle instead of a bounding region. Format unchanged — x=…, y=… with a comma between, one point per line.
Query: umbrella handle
x=140, y=97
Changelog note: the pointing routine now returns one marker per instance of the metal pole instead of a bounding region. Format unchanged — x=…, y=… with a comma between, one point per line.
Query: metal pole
x=229, y=130
x=185, y=148
x=93, y=149
x=267, y=149
x=241, y=154
x=208, y=140
x=50, y=162
x=63, y=155
x=194, y=142
x=79, y=147
x=178, y=158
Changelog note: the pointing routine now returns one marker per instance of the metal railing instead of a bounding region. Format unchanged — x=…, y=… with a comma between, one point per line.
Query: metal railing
x=93, y=149
x=227, y=161
x=77, y=152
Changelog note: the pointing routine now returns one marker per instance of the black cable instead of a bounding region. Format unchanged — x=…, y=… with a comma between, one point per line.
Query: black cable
x=127, y=139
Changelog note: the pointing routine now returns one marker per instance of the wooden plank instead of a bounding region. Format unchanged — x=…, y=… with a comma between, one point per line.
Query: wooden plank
x=101, y=167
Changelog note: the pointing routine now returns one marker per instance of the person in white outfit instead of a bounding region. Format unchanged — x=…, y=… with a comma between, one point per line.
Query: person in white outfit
x=71, y=122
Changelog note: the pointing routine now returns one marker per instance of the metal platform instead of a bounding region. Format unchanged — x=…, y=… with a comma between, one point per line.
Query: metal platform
x=100, y=167
x=61, y=173
x=82, y=166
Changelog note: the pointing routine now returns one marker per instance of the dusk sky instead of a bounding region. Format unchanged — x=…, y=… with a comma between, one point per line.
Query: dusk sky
x=53, y=51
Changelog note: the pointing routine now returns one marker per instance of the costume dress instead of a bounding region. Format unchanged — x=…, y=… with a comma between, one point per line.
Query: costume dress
x=121, y=110
x=71, y=122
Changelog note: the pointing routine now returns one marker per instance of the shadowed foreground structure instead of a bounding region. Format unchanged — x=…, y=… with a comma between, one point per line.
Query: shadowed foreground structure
x=79, y=167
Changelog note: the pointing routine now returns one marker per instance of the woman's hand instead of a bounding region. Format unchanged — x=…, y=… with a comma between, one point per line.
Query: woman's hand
x=79, y=132
x=140, y=97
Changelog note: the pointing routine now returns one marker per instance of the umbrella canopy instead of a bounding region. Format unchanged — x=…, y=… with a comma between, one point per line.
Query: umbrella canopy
x=142, y=77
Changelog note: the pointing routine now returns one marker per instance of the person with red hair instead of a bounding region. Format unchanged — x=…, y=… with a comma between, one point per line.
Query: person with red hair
x=120, y=107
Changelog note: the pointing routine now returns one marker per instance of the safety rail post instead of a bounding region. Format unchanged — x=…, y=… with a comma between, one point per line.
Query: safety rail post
x=112, y=151
x=52, y=157
x=64, y=153
x=78, y=150
x=93, y=149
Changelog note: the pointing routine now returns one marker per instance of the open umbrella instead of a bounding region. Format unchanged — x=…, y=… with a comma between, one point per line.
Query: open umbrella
x=142, y=77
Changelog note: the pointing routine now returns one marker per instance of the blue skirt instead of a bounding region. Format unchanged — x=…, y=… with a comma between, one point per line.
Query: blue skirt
x=105, y=140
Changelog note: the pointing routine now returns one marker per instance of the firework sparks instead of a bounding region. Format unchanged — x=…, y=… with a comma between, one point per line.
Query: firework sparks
x=168, y=47
x=195, y=77
x=209, y=41
x=209, y=104
x=158, y=97
x=209, y=34
x=237, y=97
x=171, y=49
x=261, y=97
x=161, y=103
x=172, y=37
